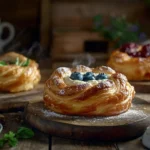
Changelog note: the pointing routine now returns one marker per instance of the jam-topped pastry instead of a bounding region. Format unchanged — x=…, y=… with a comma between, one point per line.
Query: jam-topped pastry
x=18, y=73
x=132, y=60
x=85, y=91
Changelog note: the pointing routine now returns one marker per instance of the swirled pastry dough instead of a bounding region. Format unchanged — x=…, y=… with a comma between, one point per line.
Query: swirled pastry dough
x=16, y=78
x=135, y=68
x=107, y=97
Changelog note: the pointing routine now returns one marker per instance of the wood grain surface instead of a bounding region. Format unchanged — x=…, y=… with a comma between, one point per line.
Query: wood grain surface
x=15, y=120
x=122, y=127
x=12, y=121
x=17, y=101
x=141, y=86
x=41, y=141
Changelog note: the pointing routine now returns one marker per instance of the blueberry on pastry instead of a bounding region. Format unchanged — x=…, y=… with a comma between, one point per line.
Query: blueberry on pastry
x=85, y=91
x=18, y=73
x=132, y=60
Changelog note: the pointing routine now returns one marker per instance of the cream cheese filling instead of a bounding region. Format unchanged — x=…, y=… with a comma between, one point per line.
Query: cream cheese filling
x=68, y=81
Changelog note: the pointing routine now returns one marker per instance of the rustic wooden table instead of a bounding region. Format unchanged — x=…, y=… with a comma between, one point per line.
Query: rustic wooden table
x=41, y=141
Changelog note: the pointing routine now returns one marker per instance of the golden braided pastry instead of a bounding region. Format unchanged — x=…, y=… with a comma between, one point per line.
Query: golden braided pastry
x=134, y=68
x=107, y=97
x=16, y=78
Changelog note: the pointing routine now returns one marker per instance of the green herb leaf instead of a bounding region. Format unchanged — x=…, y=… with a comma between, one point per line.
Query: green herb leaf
x=2, y=63
x=9, y=135
x=118, y=30
x=12, y=138
x=24, y=133
x=26, y=63
x=13, y=142
x=17, y=61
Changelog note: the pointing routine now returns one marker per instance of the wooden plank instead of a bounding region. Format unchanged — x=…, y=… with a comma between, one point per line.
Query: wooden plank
x=12, y=122
x=72, y=42
x=45, y=23
x=141, y=86
x=67, y=144
x=31, y=145
x=57, y=64
x=75, y=19
x=131, y=145
x=87, y=59
x=23, y=13
x=17, y=101
x=70, y=46
x=145, y=97
x=79, y=14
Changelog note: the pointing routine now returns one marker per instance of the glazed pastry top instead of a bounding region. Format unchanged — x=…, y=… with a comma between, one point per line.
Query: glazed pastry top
x=88, y=91
x=18, y=73
x=132, y=60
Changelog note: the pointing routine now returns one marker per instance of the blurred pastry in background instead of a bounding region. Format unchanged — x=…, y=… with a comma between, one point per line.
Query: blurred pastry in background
x=133, y=60
x=18, y=73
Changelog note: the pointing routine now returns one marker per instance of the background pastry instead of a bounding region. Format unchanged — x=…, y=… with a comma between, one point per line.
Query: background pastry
x=132, y=60
x=18, y=73
x=88, y=91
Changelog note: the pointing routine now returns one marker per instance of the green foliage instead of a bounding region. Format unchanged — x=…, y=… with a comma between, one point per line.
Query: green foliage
x=23, y=64
x=24, y=133
x=12, y=138
x=118, y=30
x=2, y=63
x=17, y=62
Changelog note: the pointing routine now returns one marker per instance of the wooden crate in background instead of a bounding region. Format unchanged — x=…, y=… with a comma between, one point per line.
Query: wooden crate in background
x=72, y=23
x=78, y=14
x=72, y=42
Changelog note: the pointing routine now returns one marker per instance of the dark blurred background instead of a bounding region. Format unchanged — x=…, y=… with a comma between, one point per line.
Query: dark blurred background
x=63, y=31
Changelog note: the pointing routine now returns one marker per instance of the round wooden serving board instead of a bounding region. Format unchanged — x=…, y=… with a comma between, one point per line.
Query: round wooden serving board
x=125, y=126
x=141, y=86
x=17, y=101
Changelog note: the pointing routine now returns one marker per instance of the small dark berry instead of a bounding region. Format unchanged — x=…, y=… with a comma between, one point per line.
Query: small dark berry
x=129, y=48
x=145, y=52
x=76, y=76
x=88, y=76
x=101, y=76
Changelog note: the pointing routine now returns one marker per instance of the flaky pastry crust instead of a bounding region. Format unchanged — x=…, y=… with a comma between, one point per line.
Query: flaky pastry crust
x=134, y=68
x=106, y=98
x=15, y=78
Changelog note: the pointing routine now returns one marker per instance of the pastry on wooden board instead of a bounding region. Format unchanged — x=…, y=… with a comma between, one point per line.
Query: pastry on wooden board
x=85, y=91
x=132, y=60
x=18, y=73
